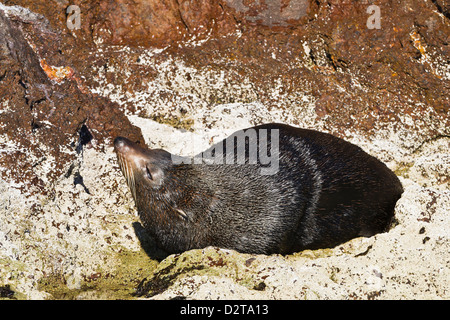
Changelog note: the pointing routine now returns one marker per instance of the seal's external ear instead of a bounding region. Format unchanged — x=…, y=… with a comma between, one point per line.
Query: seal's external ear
x=181, y=214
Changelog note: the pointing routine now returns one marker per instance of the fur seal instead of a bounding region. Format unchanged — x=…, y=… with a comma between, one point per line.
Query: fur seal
x=321, y=192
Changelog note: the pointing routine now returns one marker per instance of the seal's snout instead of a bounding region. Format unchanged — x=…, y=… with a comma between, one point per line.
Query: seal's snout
x=129, y=150
x=121, y=143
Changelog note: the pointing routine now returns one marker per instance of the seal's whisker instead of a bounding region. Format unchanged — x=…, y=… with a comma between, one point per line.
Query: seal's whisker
x=128, y=173
x=124, y=167
x=133, y=184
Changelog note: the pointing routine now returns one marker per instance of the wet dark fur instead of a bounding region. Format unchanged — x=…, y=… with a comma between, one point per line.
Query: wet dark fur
x=327, y=191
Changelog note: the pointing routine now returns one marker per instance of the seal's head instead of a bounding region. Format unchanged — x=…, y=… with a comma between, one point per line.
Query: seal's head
x=141, y=166
x=169, y=198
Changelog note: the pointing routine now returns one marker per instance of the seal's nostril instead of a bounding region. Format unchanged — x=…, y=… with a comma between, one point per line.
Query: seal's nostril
x=120, y=142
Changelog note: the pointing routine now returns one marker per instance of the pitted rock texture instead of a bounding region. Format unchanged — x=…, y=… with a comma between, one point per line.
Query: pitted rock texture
x=47, y=116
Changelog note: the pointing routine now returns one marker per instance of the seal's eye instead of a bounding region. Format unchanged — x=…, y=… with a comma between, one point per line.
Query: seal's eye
x=149, y=175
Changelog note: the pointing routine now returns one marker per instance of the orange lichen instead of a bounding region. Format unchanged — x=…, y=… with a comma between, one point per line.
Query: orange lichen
x=416, y=38
x=57, y=74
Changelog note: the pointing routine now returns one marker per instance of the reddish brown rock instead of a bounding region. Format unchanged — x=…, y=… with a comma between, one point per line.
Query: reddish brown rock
x=359, y=77
x=44, y=107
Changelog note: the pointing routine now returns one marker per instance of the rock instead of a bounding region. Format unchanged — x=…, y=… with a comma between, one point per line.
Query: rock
x=44, y=108
x=182, y=75
x=49, y=129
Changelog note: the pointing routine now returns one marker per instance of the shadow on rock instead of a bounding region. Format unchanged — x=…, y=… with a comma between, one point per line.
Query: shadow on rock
x=148, y=243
